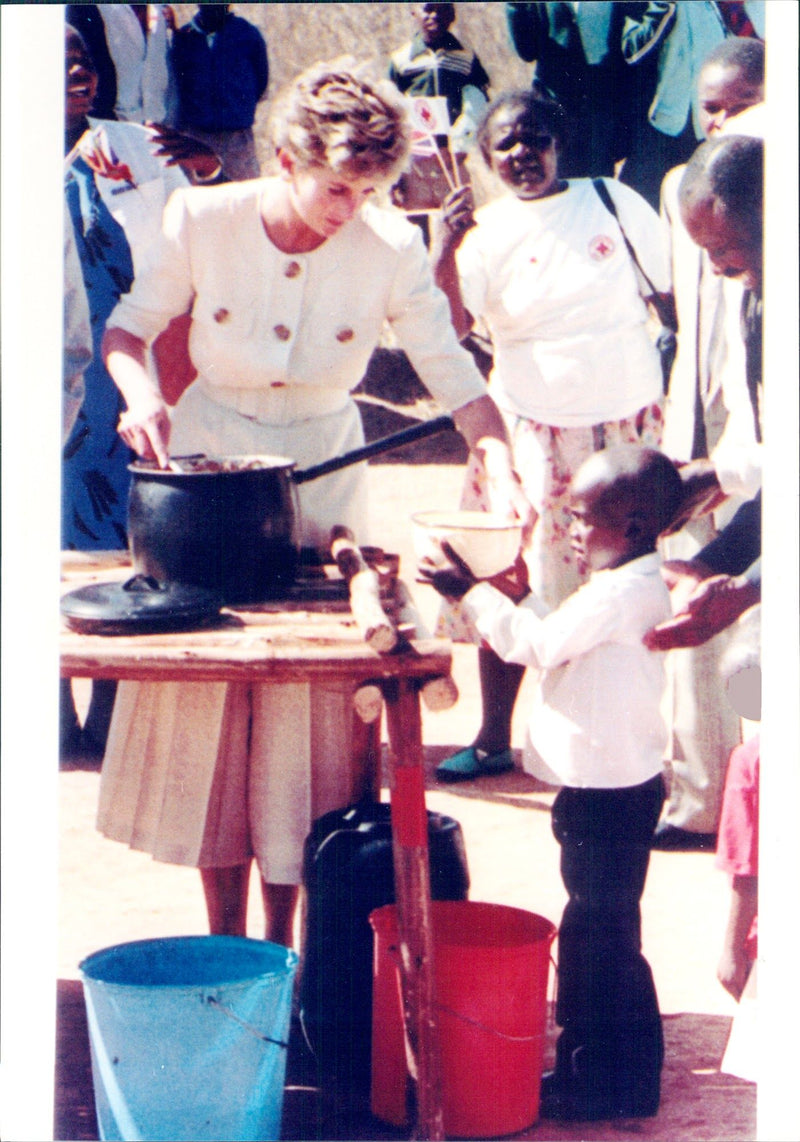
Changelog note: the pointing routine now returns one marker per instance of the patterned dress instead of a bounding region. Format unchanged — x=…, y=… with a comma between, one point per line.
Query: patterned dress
x=575, y=369
x=95, y=475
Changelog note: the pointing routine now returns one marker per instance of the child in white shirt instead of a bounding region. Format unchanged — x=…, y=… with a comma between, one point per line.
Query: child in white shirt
x=596, y=730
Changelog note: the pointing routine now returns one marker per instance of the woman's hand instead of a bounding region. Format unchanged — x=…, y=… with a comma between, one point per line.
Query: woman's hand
x=450, y=224
x=484, y=430
x=145, y=425
x=146, y=428
x=507, y=498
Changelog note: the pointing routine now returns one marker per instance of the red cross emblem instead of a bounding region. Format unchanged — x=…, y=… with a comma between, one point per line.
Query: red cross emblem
x=601, y=247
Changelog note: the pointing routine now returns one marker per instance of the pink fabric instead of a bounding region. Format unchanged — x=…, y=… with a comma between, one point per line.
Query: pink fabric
x=737, y=843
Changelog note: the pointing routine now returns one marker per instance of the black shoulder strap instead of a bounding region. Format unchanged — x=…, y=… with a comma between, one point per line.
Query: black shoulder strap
x=599, y=185
x=605, y=197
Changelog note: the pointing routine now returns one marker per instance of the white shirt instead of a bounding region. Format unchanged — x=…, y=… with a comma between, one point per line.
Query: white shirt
x=702, y=354
x=558, y=291
x=738, y=455
x=596, y=722
x=283, y=337
x=136, y=206
x=140, y=62
x=737, y=458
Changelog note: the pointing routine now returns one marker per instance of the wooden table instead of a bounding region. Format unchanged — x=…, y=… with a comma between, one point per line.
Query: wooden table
x=307, y=641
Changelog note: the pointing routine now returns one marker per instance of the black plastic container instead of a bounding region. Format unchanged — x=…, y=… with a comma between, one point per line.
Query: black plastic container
x=347, y=872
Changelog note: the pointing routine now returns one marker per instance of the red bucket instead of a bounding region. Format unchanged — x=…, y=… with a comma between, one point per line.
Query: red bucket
x=491, y=973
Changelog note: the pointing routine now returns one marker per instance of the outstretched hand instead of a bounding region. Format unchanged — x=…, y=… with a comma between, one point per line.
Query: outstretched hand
x=712, y=604
x=196, y=159
x=450, y=576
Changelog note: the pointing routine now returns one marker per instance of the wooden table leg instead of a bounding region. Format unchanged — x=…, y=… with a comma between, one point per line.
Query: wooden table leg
x=412, y=891
x=366, y=757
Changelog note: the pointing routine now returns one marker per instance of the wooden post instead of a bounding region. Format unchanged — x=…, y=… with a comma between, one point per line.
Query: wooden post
x=365, y=601
x=440, y=693
x=367, y=755
x=412, y=891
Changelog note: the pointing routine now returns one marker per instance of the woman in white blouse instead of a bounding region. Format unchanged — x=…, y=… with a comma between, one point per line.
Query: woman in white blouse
x=289, y=280
x=545, y=266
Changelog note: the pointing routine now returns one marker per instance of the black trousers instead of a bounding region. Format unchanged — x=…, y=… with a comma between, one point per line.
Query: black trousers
x=611, y=1047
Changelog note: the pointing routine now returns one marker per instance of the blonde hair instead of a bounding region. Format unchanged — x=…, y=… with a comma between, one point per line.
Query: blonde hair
x=332, y=116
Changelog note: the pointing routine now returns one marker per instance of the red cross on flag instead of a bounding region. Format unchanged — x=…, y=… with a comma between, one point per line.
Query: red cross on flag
x=429, y=117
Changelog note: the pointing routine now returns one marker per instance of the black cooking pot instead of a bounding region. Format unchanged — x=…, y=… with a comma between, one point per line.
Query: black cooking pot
x=231, y=524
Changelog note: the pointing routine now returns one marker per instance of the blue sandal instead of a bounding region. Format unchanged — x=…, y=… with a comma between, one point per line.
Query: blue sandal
x=470, y=763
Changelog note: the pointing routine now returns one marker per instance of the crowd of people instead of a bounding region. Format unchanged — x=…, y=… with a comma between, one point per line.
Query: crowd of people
x=615, y=277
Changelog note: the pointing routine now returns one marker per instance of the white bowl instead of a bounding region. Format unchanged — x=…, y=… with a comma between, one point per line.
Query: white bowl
x=487, y=543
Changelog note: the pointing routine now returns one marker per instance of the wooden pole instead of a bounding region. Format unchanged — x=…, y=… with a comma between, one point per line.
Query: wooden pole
x=365, y=601
x=412, y=891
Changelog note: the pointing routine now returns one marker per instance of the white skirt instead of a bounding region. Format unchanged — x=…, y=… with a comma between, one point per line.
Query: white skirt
x=209, y=774
x=203, y=422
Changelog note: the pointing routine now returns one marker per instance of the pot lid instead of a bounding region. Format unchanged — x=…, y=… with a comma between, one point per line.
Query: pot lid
x=140, y=604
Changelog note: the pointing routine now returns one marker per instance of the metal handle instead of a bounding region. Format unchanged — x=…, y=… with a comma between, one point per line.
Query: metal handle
x=386, y=444
x=142, y=583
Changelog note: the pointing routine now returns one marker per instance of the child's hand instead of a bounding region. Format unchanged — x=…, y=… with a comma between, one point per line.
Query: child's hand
x=451, y=577
x=513, y=582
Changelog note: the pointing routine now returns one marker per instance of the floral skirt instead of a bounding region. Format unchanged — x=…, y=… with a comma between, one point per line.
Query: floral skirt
x=546, y=459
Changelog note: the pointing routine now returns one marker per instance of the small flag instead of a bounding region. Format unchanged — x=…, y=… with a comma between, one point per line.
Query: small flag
x=429, y=117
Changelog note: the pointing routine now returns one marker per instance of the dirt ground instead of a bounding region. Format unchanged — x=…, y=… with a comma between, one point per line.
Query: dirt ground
x=108, y=894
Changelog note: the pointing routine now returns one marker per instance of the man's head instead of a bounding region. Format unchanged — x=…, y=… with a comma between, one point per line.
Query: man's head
x=212, y=16
x=721, y=202
x=80, y=80
x=623, y=498
x=731, y=80
x=433, y=21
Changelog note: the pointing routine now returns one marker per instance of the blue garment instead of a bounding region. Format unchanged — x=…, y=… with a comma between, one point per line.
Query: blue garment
x=95, y=477
x=679, y=36
x=577, y=56
x=221, y=77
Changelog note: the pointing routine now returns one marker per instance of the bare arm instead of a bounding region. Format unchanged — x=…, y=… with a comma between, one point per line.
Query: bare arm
x=145, y=425
x=714, y=603
x=448, y=229
x=484, y=430
x=479, y=421
x=734, y=963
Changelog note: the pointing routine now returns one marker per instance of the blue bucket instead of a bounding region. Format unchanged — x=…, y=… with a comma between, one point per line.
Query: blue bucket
x=189, y=1036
